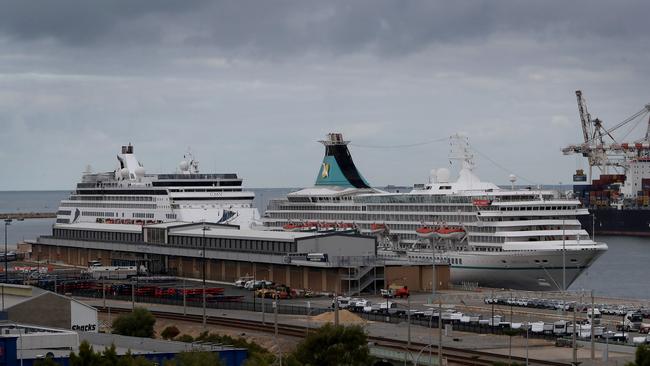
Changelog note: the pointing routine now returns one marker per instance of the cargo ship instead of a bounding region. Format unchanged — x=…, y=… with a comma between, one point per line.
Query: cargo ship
x=619, y=198
x=613, y=211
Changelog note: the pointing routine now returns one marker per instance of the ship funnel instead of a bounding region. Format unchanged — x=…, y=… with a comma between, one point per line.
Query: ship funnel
x=337, y=168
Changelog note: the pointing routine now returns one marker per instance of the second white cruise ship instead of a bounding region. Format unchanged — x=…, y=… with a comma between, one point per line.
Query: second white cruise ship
x=507, y=238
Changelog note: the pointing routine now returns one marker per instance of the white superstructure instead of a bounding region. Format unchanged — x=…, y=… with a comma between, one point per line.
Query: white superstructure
x=128, y=195
x=513, y=238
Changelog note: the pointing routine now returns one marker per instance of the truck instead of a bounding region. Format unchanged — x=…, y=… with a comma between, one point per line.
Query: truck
x=633, y=321
x=395, y=291
x=112, y=272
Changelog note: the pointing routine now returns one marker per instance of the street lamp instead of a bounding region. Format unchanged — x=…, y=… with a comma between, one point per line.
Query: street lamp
x=7, y=223
x=204, y=229
x=563, y=256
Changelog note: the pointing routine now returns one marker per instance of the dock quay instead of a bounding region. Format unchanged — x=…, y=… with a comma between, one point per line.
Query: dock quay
x=27, y=215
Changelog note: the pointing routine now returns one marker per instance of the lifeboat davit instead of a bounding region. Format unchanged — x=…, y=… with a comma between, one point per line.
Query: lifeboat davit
x=326, y=226
x=345, y=226
x=451, y=232
x=426, y=232
x=377, y=228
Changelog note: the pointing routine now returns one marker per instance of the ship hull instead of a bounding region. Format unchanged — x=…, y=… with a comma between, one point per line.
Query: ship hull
x=541, y=270
x=612, y=221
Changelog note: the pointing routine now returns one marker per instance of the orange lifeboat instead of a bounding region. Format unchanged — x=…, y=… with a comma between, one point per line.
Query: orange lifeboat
x=426, y=232
x=377, y=228
x=450, y=232
x=292, y=227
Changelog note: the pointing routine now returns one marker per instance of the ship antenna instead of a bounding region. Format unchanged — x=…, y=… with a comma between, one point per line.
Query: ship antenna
x=461, y=151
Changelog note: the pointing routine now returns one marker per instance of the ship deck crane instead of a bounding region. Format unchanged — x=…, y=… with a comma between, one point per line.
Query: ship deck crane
x=603, y=154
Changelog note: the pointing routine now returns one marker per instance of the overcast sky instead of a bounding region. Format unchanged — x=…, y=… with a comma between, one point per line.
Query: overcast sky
x=251, y=86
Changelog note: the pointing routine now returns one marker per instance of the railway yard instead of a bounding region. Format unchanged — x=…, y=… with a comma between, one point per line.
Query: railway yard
x=481, y=326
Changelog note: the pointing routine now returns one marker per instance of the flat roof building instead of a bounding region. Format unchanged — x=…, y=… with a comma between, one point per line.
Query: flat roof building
x=32, y=305
x=341, y=262
x=24, y=344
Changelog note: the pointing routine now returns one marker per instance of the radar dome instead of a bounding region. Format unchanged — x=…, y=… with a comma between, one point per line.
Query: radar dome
x=184, y=166
x=139, y=172
x=432, y=175
x=443, y=175
x=124, y=172
x=512, y=178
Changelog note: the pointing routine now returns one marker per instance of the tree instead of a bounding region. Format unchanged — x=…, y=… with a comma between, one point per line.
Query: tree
x=88, y=357
x=334, y=345
x=195, y=358
x=257, y=355
x=185, y=338
x=170, y=332
x=139, y=323
x=47, y=361
x=641, y=356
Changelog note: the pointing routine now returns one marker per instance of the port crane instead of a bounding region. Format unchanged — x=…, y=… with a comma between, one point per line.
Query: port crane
x=600, y=147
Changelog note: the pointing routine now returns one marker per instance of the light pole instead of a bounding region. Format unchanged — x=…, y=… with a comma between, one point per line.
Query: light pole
x=408, y=319
x=7, y=223
x=527, y=328
x=433, y=269
x=439, y=331
x=204, y=229
x=563, y=256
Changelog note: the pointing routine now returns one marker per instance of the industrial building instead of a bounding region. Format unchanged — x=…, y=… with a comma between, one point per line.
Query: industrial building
x=24, y=344
x=35, y=306
x=340, y=262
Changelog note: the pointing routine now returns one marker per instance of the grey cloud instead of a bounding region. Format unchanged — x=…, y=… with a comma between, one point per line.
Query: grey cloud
x=251, y=85
x=283, y=28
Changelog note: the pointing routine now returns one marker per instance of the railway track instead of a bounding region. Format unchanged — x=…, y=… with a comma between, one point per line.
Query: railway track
x=454, y=356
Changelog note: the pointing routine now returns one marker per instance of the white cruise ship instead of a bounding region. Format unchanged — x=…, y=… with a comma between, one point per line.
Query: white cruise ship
x=506, y=238
x=128, y=195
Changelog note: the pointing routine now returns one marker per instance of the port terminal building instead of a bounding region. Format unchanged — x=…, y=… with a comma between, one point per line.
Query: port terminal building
x=335, y=262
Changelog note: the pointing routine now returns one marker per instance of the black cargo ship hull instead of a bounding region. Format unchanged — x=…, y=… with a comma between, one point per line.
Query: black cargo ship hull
x=612, y=221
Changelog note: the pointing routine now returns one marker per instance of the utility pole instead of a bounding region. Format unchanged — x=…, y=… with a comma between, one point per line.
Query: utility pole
x=184, y=298
x=132, y=295
x=308, y=318
x=439, y=331
x=336, y=311
x=563, y=256
x=527, y=328
x=263, y=310
x=7, y=223
x=103, y=292
x=275, y=320
x=408, y=319
x=575, y=329
x=203, y=229
x=492, y=319
x=593, y=350
x=433, y=269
